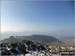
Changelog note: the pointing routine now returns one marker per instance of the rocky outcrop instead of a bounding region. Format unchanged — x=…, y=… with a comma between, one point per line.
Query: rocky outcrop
x=21, y=47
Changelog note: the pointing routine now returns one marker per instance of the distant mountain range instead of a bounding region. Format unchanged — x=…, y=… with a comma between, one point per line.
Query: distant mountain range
x=39, y=38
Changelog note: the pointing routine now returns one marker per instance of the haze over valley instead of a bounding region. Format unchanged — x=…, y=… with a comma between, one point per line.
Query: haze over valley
x=42, y=28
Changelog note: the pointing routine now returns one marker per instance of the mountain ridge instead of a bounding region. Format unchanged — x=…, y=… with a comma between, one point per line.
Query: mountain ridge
x=39, y=38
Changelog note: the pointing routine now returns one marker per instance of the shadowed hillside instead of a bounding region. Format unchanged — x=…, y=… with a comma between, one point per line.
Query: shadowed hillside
x=39, y=38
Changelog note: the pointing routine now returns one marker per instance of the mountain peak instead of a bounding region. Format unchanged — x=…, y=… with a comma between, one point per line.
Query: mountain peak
x=11, y=37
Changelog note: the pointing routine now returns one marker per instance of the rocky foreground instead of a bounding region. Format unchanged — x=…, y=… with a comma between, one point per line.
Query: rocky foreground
x=22, y=47
x=29, y=48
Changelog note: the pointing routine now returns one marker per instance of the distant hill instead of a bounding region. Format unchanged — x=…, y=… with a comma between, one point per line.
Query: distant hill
x=10, y=39
x=40, y=38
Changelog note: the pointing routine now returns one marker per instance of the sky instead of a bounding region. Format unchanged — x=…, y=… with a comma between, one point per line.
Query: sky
x=42, y=16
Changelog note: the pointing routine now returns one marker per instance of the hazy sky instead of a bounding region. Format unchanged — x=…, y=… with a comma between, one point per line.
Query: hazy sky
x=18, y=16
